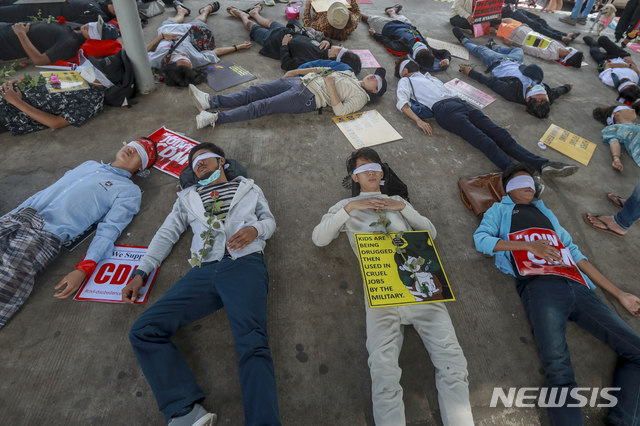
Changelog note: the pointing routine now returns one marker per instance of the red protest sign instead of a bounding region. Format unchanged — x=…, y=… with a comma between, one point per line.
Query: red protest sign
x=173, y=151
x=528, y=264
x=486, y=10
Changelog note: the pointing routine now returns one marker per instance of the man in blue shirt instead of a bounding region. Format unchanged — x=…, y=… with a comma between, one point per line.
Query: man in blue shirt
x=32, y=234
x=554, y=280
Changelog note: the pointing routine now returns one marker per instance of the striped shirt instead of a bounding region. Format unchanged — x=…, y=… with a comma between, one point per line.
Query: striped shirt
x=227, y=191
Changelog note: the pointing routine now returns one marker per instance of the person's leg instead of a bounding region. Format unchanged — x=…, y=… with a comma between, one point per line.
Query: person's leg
x=504, y=140
x=594, y=50
x=514, y=53
x=593, y=315
x=261, y=20
x=453, y=116
x=259, y=34
x=460, y=22
x=243, y=286
x=433, y=324
x=377, y=23
x=548, y=305
x=487, y=55
x=587, y=9
x=251, y=94
x=630, y=211
x=19, y=12
x=537, y=24
x=629, y=18
x=172, y=381
x=612, y=49
x=180, y=14
x=576, y=9
x=206, y=11
x=384, y=342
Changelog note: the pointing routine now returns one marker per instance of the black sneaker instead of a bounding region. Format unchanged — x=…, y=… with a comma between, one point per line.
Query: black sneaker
x=539, y=187
x=491, y=43
x=457, y=32
x=554, y=169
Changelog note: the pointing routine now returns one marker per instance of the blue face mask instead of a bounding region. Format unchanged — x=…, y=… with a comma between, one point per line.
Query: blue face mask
x=211, y=178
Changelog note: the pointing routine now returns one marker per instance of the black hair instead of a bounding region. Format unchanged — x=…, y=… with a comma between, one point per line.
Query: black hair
x=412, y=66
x=425, y=58
x=601, y=114
x=538, y=107
x=630, y=93
x=181, y=76
x=373, y=98
x=636, y=106
x=366, y=153
x=508, y=173
x=400, y=261
x=576, y=60
x=209, y=147
x=352, y=60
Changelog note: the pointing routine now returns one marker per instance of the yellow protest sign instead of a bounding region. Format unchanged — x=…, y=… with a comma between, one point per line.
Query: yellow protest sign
x=537, y=40
x=64, y=81
x=367, y=128
x=395, y=279
x=569, y=144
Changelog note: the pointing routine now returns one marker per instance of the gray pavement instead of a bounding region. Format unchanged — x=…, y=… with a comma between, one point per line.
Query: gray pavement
x=64, y=362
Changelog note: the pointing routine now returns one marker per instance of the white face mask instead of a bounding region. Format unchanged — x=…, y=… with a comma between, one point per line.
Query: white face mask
x=538, y=89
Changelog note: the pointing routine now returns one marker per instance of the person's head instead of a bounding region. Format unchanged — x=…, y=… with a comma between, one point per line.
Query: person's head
x=338, y=17
x=353, y=60
x=375, y=84
x=538, y=105
x=518, y=182
x=405, y=66
x=365, y=168
x=574, y=59
x=424, y=58
x=181, y=74
x=614, y=114
x=629, y=91
x=109, y=6
x=137, y=156
x=99, y=30
x=204, y=165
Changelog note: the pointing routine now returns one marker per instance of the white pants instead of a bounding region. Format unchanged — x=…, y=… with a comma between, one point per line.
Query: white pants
x=385, y=334
x=378, y=22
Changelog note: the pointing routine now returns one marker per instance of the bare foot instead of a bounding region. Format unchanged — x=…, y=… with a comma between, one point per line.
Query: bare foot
x=235, y=12
x=256, y=11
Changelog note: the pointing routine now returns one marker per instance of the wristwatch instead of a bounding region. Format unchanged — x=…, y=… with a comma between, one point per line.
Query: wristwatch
x=140, y=272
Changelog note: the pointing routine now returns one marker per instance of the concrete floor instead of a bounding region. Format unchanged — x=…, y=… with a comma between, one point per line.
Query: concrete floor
x=70, y=363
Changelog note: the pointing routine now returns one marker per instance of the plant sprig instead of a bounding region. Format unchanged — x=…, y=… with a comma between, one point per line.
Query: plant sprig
x=212, y=213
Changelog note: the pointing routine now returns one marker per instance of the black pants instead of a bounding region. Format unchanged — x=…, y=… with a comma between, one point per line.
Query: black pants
x=460, y=22
x=613, y=51
x=460, y=118
x=537, y=24
x=629, y=18
x=77, y=11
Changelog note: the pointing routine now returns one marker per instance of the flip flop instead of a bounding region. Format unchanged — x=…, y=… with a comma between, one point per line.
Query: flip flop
x=575, y=36
x=231, y=10
x=179, y=3
x=397, y=7
x=215, y=6
x=255, y=6
x=615, y=200
x=585, y=217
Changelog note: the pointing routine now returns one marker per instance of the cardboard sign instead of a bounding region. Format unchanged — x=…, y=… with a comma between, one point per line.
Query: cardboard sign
x=473, y=96
x=227, y=74
x=569, y=144
x=486, y=10
x=528, y=264
x=455, y=49
x=393, y=279
x=534, y=39
x=367, y=59
x=173, y=151
x=69, y=81
x=634, y=46
x=367, y=128
x=106, y=282
x=323, y=5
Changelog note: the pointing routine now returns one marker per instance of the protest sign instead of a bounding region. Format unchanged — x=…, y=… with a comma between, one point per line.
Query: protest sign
x=535, y=39
x=111, y=275
x=569, y=144
x=455, y=49
x=227, y=74
x=69, y=81
x=367, y=128
x=394, y=279
x=473, y=96
x=367, y=59
x=75, y=242
x=38, y=1
x=634, y=46
x=365, y=1
x=323, y=5
x=486, y=10
x=173, y=151
x=528, y=264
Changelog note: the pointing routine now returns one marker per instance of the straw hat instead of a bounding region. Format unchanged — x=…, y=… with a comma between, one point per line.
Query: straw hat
x=338, y=15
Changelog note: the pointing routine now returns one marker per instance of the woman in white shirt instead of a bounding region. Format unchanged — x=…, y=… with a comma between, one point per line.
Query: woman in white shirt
x=616, y=67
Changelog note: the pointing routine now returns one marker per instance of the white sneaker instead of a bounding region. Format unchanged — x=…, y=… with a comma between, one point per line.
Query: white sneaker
x=200, y=98
x=197, y=417
x=205, y=119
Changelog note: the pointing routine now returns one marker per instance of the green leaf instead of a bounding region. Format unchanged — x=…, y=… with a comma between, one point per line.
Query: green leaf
x=374, y=224
x=193, y=261
x=199, y=263
x=221, y=216
x=216, y=225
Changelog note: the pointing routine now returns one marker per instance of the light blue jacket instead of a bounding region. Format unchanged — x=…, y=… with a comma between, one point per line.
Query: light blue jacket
x=496, y=226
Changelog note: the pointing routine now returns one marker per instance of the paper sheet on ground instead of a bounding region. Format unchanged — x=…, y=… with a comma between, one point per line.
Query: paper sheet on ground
x=473, y=96
x=455, y=49
x=634, y=46
x=367, y=59
x=367, y=128
x=569, y=144
x=69, y=81
x=106, y=282
x=391, y=280
x=323, y=5
x=173, y=151
x=227, y=74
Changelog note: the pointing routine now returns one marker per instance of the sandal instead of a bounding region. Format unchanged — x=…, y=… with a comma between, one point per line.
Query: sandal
x=255, y=6
x=397, y=7
x=177, y=3
x=616, y=200
x=231, y=11
x=585, y=217
x=215, y=6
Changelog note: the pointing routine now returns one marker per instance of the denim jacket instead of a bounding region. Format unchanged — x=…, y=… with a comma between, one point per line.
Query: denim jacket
x=496, y=226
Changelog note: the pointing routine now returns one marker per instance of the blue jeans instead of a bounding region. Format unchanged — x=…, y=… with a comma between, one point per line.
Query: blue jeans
x=285, y=95
x=549, y=305
x=489, y=56
x=576, y=8
x=260, y=34
x=240, y=286
x=631, y=211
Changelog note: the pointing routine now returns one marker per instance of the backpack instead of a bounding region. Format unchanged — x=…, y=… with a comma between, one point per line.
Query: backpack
x=390, y=185
x=118, y=69
x=232, y=169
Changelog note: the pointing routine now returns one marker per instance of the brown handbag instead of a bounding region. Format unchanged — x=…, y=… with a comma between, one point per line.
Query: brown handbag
x=480, y=192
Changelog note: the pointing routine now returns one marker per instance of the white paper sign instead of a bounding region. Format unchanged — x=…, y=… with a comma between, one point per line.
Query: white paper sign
x=111, y=275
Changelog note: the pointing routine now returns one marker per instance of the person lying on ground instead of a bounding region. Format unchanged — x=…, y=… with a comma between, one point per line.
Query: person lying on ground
x=294, y=44
x=337, y=22
x=461, y=15
x=618, y=224
x=538, y=24
x=621, y=131
x=384, y=324
x=31, y=235
x=511, y=79
x=298, y=91
x=458, y=117
x=327, y=65
x=616, y=67
x=228, y=270
x=401, y=38
x=178, y=62
x=521, y=232
x=45, y=43
x=532, y=43
x=78, y=11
